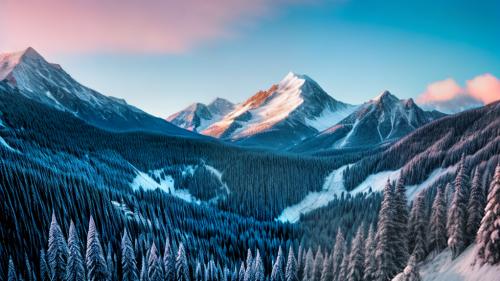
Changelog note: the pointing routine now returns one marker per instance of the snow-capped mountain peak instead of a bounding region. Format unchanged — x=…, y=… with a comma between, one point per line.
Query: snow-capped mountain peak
x=198, y=116
x=295, y=107
x=48, y=83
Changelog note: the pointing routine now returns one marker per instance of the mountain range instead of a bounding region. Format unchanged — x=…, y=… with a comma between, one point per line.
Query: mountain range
x=297, y=115
x=48, y=83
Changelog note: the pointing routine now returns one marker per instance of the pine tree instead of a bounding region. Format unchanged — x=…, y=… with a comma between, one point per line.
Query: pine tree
x=11, y=273
x=420, y=227
x=327, y=271
x=318, y=265
x=475, y=208
x=344, y=267
x=30, y=274
x=457, y=216
x=96, y=264
x=300, y=263
x=356, y=258
x=155, y=270
x=277, y=274
x=44, y=267
x=75, y=269
x=181, y=265
x=291, y=267
x=488, y=236
x=129, y=264
x=144, y=270
x=57, y=253
x=259, y=268
x=198, y=274
x=370, y=245
x=437, y=234
x=401, y=224
x=241, y=275
x=169, y=262
x=249, y=272
x=338, y=253
x=308, y=266
x=384, y=252
x=234, y=276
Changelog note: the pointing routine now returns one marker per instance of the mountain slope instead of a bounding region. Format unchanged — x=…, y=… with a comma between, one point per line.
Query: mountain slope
x=199, y=116
x=48, y=83
x=382, y=119
x=283, y=115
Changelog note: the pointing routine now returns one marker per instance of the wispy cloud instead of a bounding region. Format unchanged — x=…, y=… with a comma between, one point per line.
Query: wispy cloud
x=165, y=26
x=448, y=96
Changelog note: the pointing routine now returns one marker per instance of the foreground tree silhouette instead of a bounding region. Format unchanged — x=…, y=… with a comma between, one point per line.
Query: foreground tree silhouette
x=75, y=269
x=57, y=252
x=129, y=264
x=488, y=237
x=96, y=264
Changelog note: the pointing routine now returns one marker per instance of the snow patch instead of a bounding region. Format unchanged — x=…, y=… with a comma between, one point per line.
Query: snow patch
x=443, y=268
x=413, y=190
x=218, y=175
x=6, y=145
x=329, y=117
x=333, y=187
x=166, y=184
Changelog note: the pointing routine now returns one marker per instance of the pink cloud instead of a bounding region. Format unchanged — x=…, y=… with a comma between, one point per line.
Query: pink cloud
x=485, y=88
x=165, y=26
x=448, y=96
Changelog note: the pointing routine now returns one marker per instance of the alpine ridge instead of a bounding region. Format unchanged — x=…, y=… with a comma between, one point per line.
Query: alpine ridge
x=199, y=116
x=48, y=83
x=382, y=119
x=288, y=112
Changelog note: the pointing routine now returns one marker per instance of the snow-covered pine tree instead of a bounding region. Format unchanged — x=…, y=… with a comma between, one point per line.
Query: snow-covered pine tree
x=44, y=267
x=169, y=262
x=344, y=267
x=401, y=223
x=437, y=233
x=300, y=263
x=338, y=253
x=420, y=227
x=475, y=208
x=259, y=268
x=277, y=273
x=129, y=264
x=181, y=265
x=11, y=273
x=57, y=253
x=318, y=265
x=198, y=272
x=384, y=252
x=327, y=271
x=356, y=257
x=234, y=276
x=308, y=266
x=96, y=264
x=144, y=270
x=488, y=236
x=241, y=274
x=249, y=272
x=370, y=245
x=75, y=268
x=291, y=267
x=155, y=270
x=457, y=216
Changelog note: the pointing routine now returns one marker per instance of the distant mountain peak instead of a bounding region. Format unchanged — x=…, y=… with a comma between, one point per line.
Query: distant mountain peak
x=385, y=96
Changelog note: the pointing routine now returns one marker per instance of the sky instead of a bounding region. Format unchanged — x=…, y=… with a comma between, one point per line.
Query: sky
x=162, y=56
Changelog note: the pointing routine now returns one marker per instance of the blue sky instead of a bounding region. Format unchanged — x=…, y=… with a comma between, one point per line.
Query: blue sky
x=353, y=49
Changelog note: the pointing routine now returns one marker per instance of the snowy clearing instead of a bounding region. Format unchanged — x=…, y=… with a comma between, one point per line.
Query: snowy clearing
x=334, y=186
x=329, y=117
x=143, y=180
x=442, y=268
